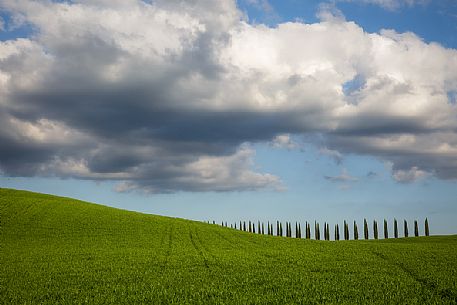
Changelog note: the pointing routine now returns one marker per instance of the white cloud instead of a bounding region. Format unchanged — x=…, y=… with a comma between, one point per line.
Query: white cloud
x=390, y=4
x=284, y=141
x=334, y=154
x=163, y=95
x=211, y=173
x=343, y=177
x=410, y=175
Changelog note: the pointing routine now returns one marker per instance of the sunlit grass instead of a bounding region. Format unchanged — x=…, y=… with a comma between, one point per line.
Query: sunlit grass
x=61, y=251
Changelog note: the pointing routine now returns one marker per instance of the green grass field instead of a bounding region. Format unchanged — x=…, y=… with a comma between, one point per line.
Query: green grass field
x=61, y=251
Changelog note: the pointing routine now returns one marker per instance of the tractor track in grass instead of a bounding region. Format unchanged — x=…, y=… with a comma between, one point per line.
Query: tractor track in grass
x=203, y=246
x=445, y=295
x=169, y=242
x=194, y=240
x=226, y=239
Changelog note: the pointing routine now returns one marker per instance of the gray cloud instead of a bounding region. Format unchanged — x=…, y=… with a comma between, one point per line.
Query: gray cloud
x=165, y=97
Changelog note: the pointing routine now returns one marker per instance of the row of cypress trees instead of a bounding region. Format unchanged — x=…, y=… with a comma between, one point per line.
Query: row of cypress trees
x=251, y=227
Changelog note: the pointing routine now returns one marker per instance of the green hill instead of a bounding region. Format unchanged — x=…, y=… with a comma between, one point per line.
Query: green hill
x=57, y=250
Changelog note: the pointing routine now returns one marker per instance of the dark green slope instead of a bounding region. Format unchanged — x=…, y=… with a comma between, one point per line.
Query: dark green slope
x=61, y=251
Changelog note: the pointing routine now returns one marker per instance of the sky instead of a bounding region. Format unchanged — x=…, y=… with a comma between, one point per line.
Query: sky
x=235, y=110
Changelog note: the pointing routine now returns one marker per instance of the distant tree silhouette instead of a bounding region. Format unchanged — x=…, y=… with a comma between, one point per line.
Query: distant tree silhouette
x=386, y=233
x=427, y=230
x=416, y=229
x=317, y=231
x=337, y=232
x=346, y=231
x=395, y=228
x=375, y=229
x=356, y=231
x=405, y=228
x=365, y=228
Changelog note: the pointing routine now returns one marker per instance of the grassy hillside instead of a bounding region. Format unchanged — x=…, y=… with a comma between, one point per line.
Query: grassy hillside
x=61, y=251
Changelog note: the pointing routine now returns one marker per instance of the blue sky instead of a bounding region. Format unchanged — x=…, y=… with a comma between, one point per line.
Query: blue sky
x=322, y=175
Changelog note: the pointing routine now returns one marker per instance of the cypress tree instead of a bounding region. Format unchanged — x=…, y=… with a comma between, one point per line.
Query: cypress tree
x=308, y=231
x=271, y=229
x=318, y=232
x=386, y=233
x=250, y=227
x=280, y=229
x=356, y=231
x=299, y=230
x=325, y=230
x=427, y=230
x=345, y=230
x=365, y=228
x=395, y=228
x=241, y=228
x=315, y=230
x=328, y=232
x=416, y=229
x=263, y=233
x=253, y=228
x=258, y=227
x=244, y=226
x=405, y=228
x=337, y=232
x=277, y=228
x=225, y=224
x=375, y=229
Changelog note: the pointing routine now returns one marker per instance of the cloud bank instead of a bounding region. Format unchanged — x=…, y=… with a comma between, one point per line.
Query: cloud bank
x=164, y=96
